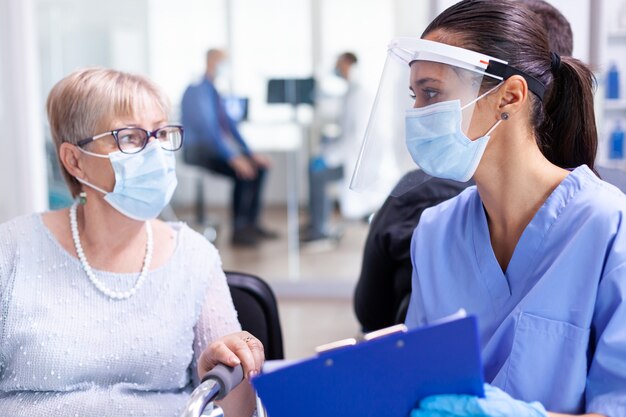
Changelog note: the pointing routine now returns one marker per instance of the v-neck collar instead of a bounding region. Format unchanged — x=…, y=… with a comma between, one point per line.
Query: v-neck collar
x=517, y=277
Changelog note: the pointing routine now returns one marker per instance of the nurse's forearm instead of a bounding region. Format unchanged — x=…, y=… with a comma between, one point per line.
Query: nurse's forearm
x=572, y=415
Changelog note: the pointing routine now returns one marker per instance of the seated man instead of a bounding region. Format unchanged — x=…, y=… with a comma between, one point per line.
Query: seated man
x=214, y=142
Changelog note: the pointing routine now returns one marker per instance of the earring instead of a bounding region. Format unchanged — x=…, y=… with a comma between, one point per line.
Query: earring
x=504, y=116
x=82, y=198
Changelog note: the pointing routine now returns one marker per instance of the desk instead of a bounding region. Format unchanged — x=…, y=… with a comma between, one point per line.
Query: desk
x=284, y=137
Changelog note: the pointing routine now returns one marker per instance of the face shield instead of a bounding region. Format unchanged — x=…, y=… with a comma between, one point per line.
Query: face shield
x=428, y=91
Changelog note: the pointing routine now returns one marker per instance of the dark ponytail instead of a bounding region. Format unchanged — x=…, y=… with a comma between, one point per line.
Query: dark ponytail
x=568, y=136
x=564, y=122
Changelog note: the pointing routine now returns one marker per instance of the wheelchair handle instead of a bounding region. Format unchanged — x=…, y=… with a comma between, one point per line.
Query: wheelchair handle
x=216, y=384
x=226, y=376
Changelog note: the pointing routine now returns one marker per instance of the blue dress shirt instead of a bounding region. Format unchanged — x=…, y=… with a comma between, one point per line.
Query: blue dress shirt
x=207, y=124
x=553, y=326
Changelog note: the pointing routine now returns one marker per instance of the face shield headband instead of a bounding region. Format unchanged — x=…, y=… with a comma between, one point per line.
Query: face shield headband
x=506, y=71
x=462, y=58
x=417, y=74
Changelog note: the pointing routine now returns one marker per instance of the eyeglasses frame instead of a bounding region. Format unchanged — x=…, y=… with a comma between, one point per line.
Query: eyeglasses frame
x=149, y=134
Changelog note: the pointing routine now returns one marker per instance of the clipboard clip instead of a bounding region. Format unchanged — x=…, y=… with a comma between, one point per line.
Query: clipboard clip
x=335, y=345
x=398, y=328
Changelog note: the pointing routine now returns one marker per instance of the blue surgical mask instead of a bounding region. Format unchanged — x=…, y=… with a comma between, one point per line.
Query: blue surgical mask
x=437, y=144
x=144, y=181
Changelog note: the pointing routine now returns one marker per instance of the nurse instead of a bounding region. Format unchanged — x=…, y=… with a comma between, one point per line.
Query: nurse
x=537, y=249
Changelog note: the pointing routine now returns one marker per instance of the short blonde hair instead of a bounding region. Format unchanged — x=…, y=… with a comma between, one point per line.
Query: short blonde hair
x=86, y=102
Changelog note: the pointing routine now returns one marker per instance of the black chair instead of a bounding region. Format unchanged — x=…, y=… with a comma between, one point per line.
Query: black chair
x=403, y=308
x=257, y=309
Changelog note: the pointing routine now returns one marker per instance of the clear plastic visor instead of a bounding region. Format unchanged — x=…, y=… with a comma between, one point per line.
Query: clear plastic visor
x=415, y=78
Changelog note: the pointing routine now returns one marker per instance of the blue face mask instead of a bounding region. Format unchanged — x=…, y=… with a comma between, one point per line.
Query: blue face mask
x=144, y=181
x=437, y=144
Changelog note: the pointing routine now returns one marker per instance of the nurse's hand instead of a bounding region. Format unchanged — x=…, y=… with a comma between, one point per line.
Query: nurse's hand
x=496, y=403
x=232, y=350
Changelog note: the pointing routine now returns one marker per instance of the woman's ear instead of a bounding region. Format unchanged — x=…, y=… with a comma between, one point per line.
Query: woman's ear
x=513, y=95
x=70, y=157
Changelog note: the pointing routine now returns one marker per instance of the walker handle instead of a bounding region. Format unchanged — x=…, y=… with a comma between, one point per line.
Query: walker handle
x=227, y=376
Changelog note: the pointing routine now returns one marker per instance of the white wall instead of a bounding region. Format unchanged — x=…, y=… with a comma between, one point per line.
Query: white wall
x=179, y=34
x=4, y=186
x=576, y=11
x=348, y=26
x=74, y=34
x=2, y=90
x=271, y=39
x=23, y=170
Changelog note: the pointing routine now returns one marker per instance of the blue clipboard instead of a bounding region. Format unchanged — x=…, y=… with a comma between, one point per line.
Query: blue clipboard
x=386, y=376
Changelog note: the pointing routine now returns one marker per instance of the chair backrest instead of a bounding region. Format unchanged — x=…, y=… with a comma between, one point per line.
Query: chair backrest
x=257, y=309
x=614, y=176
x=403, y=308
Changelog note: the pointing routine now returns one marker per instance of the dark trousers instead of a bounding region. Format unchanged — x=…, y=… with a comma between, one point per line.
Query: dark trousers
x=246, y=198
x=320, y=205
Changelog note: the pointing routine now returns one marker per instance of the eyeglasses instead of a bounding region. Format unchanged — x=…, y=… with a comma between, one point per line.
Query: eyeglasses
x=134, y=139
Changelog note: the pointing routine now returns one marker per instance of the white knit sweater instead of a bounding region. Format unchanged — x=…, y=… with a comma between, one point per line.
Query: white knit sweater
x=68, y=350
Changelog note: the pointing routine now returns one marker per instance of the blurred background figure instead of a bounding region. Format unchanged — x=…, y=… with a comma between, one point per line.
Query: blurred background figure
x=336, y=159
x=214, y=142
x=353, y=122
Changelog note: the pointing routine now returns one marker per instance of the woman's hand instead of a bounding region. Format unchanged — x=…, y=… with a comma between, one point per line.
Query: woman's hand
x=232, y=350
x=496, y=403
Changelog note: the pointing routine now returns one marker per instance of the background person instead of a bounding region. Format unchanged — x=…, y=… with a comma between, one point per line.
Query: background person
x=353, y=122
x=328, y=167
x=107, y=310
x=214, y=142
x=339, y=156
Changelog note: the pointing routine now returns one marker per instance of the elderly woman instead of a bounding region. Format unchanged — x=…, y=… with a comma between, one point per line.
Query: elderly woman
x=104, y=309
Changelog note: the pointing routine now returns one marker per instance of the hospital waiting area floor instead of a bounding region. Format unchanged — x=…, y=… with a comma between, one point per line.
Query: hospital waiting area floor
x=313, y=282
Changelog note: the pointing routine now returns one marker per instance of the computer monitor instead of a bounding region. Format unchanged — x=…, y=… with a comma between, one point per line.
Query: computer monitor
x=236, y=107
x=291, y=90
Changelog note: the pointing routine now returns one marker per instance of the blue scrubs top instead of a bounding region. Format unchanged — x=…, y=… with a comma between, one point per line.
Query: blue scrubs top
x=553, y=327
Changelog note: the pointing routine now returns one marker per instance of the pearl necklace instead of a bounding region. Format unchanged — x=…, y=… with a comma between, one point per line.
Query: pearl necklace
x=116, y=295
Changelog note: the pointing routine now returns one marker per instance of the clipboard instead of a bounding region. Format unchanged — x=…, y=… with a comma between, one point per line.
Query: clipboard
x=386, y=376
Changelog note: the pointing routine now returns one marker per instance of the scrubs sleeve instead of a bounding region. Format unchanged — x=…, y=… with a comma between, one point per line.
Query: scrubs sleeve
x=606, y=381
x=416, y=315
